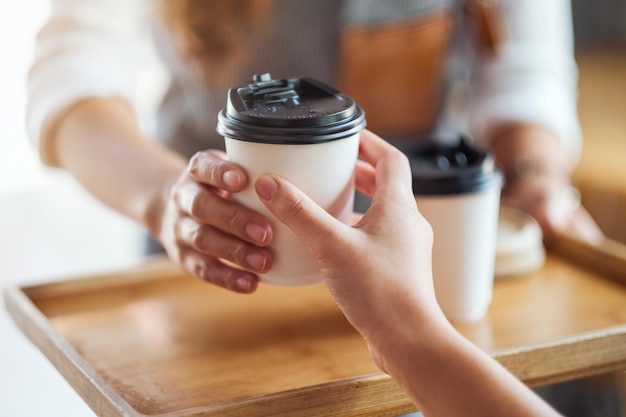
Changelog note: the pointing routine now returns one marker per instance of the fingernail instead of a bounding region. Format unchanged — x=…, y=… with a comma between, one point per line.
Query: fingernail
x=256, y=232
x=256, y=261
x=231, y=178
x=244, y=284
x=266, y=187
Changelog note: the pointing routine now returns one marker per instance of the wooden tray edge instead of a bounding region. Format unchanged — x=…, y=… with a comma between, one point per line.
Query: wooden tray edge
x=354, y=395
x=96, y=393
x=557, y=361
x=153, y=269
x=560, y=360
x=607, y=257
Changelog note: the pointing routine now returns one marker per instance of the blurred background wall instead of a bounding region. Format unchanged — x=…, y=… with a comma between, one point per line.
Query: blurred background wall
x=599, y=22
x=600, y=36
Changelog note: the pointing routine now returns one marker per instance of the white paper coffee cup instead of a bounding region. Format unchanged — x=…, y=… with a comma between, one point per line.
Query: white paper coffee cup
x=306, y=132
x=457, y=189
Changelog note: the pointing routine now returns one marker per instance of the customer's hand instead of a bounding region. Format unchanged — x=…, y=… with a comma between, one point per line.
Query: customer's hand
x=379, y=271
x=202, y=227
x=384, y=260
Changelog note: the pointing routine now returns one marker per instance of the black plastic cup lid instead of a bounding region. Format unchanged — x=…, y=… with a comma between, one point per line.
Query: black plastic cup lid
x=440, y=169
x=288, y=111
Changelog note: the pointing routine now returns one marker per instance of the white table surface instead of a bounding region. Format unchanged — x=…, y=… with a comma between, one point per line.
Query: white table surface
x=51, y=231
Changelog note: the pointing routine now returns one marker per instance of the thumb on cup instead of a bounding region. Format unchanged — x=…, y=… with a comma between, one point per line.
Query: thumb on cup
x=310, y=222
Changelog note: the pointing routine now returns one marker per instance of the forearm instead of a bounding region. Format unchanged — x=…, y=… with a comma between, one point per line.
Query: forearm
x=99, y=142
x=532, y=79
x=446, y=375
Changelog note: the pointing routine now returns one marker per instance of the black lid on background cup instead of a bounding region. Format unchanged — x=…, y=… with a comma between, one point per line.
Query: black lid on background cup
x=288, y=111
x=459, y=168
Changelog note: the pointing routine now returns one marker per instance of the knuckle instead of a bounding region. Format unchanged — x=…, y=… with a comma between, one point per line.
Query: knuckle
x=194, y=158
x=200, y=270
x=229, y=279
x=196, y=236
x=205, y=167
x=294, y=208
x=204, y=269
x=192, y=266
x=237, y=252
x=400, y=158
x=176, y=193
x=216, y=272
x=214, y=172
x=194, y=163
x=235, y=219
x=426, y=229
x=195, y=204
x=174, y=253
x=219, y=274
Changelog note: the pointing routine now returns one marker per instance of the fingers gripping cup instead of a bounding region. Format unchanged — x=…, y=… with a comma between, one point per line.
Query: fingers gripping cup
x=305, y=131
x=457, y=189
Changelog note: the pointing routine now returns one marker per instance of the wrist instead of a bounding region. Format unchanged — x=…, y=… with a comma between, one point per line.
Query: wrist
x=419, y=351
x=153, y=208
x=165, y=168
x=526, y=168
x=403, y=335
x=527, y=152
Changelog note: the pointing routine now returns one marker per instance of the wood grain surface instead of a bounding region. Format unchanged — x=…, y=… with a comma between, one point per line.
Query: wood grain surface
x=153, y=341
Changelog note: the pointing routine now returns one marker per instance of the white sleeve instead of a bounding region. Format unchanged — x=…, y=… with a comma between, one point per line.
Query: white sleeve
x=533, y=77
x=86, y=48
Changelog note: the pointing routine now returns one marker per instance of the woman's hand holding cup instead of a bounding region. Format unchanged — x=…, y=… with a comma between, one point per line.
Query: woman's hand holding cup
x=202, y=226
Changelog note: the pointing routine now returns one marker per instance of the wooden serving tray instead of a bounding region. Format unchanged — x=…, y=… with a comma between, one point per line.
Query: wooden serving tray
x=154, y=341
